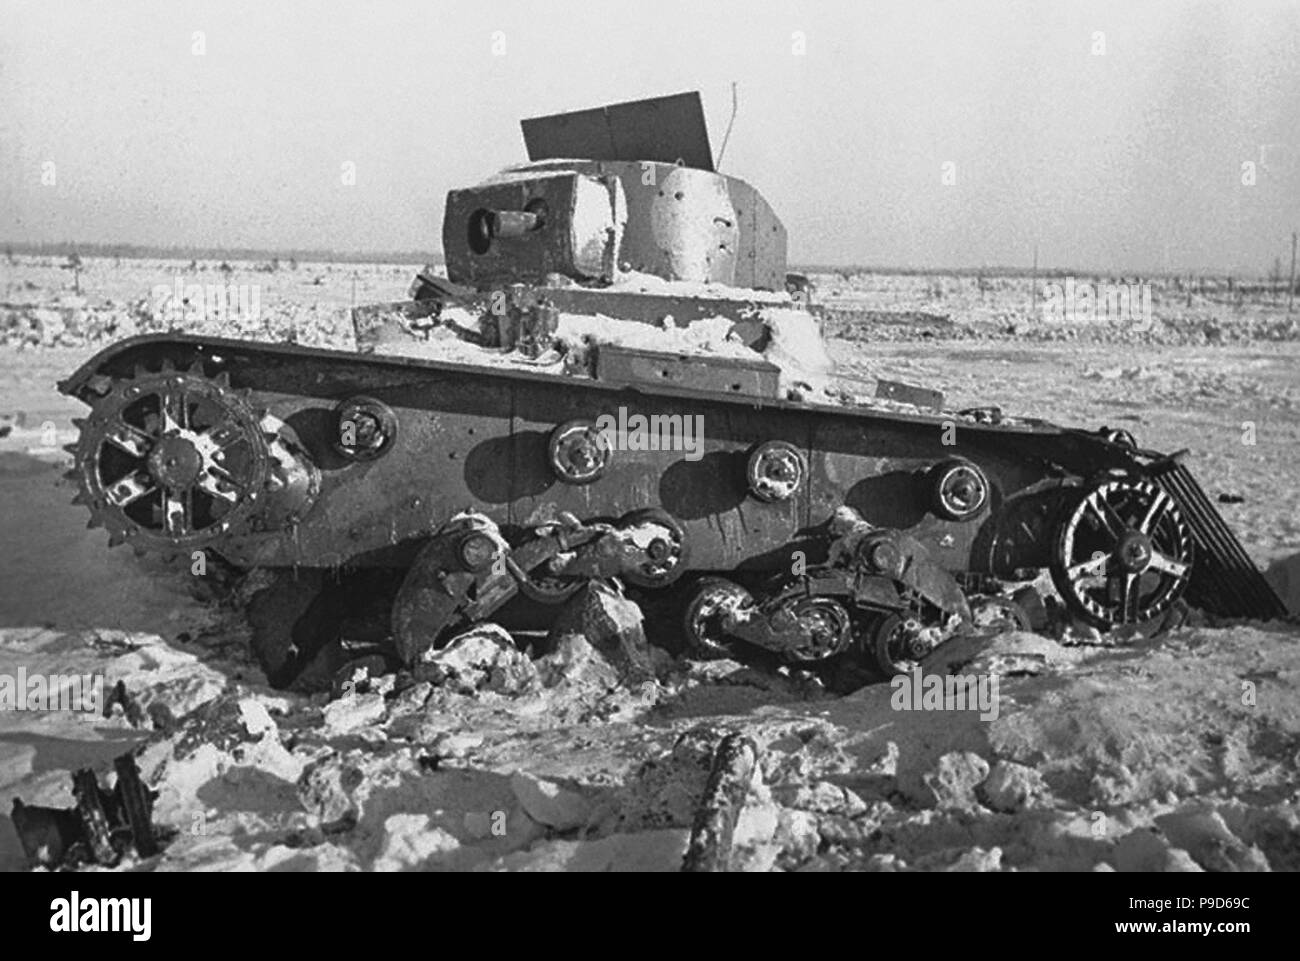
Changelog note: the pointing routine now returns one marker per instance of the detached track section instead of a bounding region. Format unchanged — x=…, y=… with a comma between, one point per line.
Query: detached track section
x=1224, y=579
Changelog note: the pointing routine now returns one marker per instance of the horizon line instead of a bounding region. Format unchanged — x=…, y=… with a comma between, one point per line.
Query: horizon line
x=134, y=251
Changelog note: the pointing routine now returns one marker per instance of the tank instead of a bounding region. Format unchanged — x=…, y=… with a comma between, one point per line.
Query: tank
x=396, y=494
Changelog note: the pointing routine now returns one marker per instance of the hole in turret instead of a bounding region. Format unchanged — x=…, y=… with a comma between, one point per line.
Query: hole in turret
x=479, y=231
x=538, y=208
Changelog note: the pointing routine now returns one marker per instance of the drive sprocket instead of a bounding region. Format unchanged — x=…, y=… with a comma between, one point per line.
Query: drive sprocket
x=171, y=459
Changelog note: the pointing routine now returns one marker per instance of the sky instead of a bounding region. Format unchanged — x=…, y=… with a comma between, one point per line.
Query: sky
x=1143, y=135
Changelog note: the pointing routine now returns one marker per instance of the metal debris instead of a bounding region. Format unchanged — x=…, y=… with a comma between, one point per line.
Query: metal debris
x=735, y=764
x=102, y=828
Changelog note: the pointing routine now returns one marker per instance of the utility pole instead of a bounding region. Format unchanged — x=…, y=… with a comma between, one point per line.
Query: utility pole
x=1034, y=283
x=1290, y=290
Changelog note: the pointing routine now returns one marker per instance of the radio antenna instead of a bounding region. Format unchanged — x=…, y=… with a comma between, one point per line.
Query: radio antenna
x=717, y=164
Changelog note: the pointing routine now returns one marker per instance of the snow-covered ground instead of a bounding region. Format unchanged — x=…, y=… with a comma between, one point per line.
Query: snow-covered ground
x=1179, y=753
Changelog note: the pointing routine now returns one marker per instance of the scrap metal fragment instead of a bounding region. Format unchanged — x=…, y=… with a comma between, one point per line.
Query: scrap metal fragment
x=909, y=394
x=734, y=764
x=377, y=325
x=94, y=818
x=99, y=829
x=135, y=805
x=46, y=834
x=135, y=714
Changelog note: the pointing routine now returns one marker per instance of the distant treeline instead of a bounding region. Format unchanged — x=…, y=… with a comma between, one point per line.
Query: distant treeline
x=851, y=269
x=1049, y=273
x=145, y=252
x=67, y=248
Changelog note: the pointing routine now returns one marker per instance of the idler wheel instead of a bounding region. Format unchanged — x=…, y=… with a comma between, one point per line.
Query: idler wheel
x=549, y=589
x=960, y=489
x=171, y=459
x=661, y=543
x=775, y=471
x=895, y=644
x=1123, y=553
x=713, y=600
x=827, y=624
x=579, y=452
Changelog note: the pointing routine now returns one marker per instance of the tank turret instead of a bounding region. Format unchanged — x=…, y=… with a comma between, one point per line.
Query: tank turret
x=625, y=188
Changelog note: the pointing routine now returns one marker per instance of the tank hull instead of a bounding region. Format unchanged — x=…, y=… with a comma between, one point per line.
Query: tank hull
x=882, y=509
x=476, y=438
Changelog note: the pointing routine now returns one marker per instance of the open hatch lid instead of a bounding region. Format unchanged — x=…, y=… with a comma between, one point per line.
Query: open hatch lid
x=662, y=129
